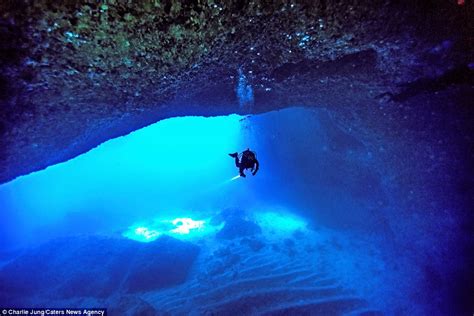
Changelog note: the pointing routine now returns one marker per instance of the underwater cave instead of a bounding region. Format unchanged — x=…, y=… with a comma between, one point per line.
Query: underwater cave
x=119, y=192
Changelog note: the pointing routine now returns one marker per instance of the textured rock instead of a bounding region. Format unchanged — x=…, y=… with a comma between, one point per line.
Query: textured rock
x=95, y=267
x=252, y=243
x=130, y=306
x=236, y=227
x=76, y=73
x=166, y=264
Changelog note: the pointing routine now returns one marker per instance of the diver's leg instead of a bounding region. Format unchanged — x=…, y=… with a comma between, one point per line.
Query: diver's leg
x=241, y=171
x=236, y=157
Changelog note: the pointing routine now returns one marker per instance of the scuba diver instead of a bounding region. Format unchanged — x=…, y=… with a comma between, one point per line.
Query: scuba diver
x=248, y=160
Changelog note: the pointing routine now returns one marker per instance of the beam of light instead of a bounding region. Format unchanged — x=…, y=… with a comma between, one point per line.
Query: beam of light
x=215, y=187
x=221, y=184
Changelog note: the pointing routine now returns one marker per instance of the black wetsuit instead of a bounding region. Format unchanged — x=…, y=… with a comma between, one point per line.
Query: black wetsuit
x=248, y=160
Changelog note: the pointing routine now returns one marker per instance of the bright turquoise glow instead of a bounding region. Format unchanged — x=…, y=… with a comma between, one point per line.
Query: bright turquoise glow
x=283, y=222
x=175, y=164
x=180, y=228
x=274, y=224
x=185, y=225
x=142, y=233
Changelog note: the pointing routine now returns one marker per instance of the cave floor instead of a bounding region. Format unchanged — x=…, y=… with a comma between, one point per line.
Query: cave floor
x=279, y=271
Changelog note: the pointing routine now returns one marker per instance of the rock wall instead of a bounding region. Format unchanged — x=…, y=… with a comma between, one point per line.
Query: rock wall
x=76, y=73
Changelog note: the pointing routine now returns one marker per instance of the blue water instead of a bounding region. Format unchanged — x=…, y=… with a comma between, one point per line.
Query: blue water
x=158, y=221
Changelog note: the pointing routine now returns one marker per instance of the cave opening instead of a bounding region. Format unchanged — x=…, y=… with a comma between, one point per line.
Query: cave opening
x=322, y=190
x=309, y=165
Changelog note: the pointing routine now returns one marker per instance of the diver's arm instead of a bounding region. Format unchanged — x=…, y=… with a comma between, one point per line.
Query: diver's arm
x=255, y=168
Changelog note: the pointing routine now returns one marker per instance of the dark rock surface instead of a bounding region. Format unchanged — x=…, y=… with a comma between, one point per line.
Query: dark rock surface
x=131, y=305
x=95, y=267
x=76, y=73
x=166, y=263
x=236, y=227
x=252, y=243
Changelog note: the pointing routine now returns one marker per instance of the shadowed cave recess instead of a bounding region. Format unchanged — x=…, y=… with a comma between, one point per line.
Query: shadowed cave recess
x=117, y=118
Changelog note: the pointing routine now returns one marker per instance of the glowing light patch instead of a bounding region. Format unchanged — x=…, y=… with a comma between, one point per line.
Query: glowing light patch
x=184, y=225
x=280, y=221
x=235, y=178
x=141, y=233
x=181, y=228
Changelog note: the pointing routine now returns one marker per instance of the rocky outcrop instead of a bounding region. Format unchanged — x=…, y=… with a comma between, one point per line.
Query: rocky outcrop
x=76, y=73
x=96, y=267
x=237, y=227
